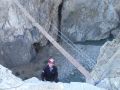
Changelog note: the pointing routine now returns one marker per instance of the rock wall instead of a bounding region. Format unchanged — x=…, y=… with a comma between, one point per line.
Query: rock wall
x=17, y=34
x=90, y=20
x=106, y=73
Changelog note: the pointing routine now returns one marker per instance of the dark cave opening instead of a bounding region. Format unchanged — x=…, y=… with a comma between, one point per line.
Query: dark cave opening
x=59, y=20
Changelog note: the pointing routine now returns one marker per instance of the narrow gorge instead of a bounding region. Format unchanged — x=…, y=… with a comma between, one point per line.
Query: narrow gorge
x=87, y=29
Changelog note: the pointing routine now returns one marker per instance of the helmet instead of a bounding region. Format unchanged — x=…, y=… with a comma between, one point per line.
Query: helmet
x=51, y=60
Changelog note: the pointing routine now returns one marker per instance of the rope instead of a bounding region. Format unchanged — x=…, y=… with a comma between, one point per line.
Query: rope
x=72, y=45
x=63, y=51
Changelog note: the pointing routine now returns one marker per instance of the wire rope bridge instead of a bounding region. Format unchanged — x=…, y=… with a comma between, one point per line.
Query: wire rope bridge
x=70, y=58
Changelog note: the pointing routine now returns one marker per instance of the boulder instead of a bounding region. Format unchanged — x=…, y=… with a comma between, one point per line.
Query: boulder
x=108, y=64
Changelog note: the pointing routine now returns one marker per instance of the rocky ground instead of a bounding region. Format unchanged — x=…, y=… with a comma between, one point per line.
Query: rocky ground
x=9, y=81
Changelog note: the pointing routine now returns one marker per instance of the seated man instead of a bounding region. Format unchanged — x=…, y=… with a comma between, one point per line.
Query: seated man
x=50, y=72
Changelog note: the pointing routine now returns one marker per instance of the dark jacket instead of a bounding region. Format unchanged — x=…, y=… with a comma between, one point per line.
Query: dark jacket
x=50, y=75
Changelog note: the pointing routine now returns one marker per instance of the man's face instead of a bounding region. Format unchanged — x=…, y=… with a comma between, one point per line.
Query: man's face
x=50, y=65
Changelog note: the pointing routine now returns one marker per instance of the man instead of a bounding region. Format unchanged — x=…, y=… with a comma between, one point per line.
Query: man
x=50, y=72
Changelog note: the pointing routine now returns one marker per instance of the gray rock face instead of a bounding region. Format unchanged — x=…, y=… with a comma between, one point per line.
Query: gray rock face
x=107, y=70
x=17, y=34
x=116, y=4
x=89, y=19
x=16, y=53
